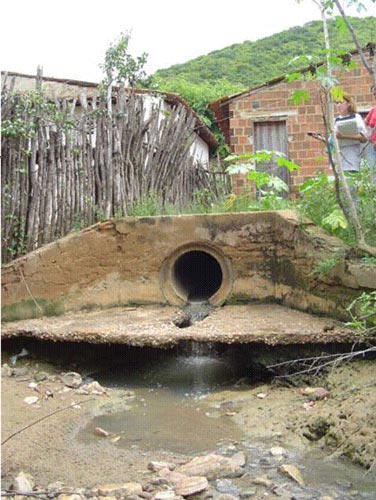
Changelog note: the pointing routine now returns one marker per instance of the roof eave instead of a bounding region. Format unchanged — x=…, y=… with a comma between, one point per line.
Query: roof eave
x=215, y=105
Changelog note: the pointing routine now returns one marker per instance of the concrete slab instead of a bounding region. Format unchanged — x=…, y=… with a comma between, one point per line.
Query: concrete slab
x=154, y=326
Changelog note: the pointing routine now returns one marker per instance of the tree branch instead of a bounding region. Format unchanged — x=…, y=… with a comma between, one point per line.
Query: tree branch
x=368, y=67
x=44, y=418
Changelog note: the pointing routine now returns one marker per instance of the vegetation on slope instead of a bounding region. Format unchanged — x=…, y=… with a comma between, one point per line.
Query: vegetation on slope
x=251, y=63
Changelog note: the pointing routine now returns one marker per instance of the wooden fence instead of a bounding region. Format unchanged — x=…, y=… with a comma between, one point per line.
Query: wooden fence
x=69, y=163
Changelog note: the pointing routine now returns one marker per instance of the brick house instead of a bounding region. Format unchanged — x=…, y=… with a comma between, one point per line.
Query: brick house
x=263, y=118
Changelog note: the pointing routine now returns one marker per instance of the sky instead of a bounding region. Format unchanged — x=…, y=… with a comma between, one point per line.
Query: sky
x=69, y=38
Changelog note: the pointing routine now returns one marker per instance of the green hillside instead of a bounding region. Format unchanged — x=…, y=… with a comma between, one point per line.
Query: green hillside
x=250, y=63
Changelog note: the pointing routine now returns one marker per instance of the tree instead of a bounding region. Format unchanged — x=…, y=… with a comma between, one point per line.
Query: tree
x=328, y=87
x=198, y=96
x=122, y=68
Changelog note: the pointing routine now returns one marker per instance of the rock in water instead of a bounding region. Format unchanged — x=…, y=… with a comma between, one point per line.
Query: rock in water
x=191, y=485
x=277, y=451
x=183, y=484
x=293, y=472
x=98, y=431
x=212, y=466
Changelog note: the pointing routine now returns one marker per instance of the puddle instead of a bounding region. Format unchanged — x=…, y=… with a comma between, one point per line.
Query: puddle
x=163, y=420
x=169, y=412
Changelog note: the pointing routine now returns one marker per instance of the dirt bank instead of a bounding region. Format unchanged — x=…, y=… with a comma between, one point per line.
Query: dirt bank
x=343, y=422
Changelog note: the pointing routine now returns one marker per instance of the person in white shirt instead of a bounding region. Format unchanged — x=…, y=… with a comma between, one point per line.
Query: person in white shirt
x=351, y=133
x=349, y=143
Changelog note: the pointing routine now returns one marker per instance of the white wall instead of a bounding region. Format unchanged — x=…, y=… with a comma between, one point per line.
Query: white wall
x=200, y=151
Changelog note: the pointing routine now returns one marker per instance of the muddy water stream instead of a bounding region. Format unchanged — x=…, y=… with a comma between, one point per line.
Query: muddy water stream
x=183, y=402
x=173, y=411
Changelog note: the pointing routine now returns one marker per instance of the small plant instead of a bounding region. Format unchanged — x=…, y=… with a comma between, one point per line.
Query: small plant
x=369, y=260
x=99, y=214
x=270, y=189
x=269, y=186
x=318, y=202
x=363, y=314
x=203, y=198
x=146, y=207
x=78, y=223
x=335, y=220
x=119, y=214
x=239, y=203
x=323, y=268
x=15, y=242
x=317, y=198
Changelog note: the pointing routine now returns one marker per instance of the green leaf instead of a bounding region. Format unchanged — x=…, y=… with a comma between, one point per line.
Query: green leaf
x=292, y=77
x=285, y=162
x=299, y=96
x=260, y=178
x=341, y=25
x=337, y=93
x=246, y=156
x=335, y=220
x=277, y=184
x=239, y=168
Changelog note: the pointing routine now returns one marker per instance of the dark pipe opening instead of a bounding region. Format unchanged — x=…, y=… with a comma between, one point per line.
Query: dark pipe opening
x=197, y=275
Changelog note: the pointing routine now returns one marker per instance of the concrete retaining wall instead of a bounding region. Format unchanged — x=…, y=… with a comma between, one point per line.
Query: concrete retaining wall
x=260, y=256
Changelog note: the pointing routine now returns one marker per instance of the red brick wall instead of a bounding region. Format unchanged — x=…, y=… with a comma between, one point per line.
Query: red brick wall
x=264, y=103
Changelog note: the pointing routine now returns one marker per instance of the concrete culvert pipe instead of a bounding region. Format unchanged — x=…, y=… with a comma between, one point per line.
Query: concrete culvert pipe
x=196, y=273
